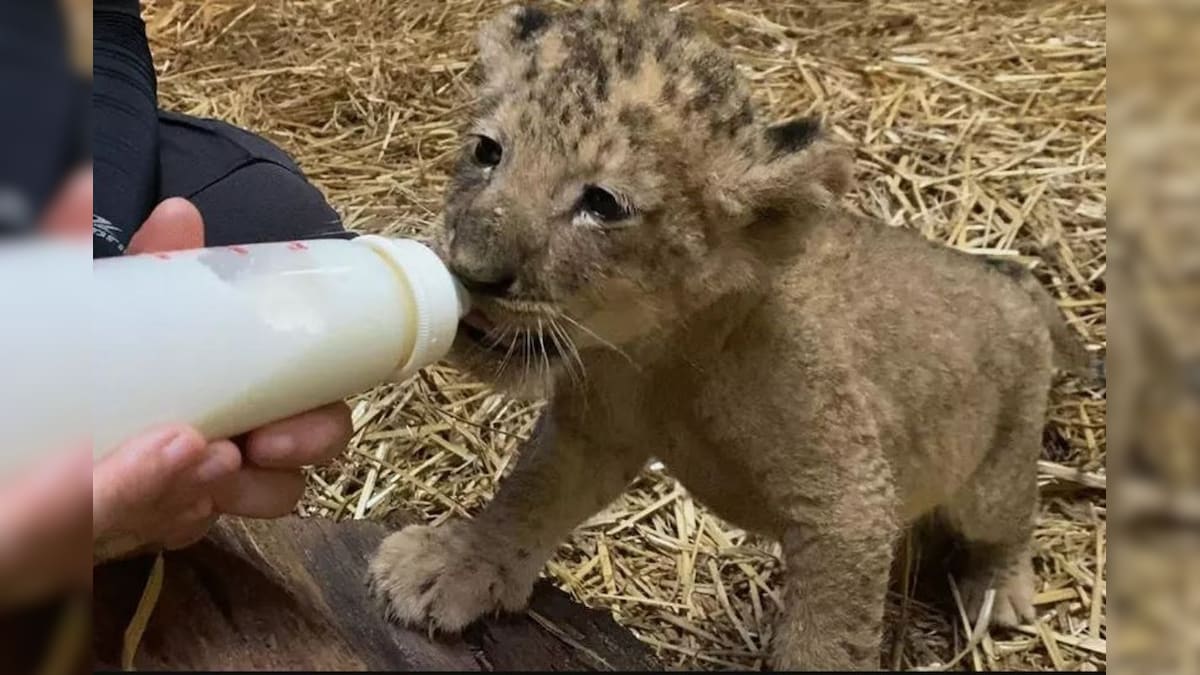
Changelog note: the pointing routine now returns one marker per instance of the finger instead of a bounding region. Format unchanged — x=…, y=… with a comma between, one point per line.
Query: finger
x=259, y=493
x=141, y=472
x=222, y=459
x=219, y=461
x=174, y=225
x=314, y=437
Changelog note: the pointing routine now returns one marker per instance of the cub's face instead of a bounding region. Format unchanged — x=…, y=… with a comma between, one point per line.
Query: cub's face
x=613, y=181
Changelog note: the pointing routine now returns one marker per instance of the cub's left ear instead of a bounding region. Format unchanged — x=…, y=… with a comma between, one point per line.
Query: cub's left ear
x=502, y=37
x=799, y=167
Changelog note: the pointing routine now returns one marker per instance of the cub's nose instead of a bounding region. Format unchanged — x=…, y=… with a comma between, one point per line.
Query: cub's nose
x=491, y=280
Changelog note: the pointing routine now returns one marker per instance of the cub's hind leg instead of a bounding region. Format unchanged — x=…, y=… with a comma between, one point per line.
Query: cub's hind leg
x=994, y=514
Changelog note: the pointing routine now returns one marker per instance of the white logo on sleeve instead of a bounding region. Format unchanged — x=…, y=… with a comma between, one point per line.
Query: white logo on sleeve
x=102, y=228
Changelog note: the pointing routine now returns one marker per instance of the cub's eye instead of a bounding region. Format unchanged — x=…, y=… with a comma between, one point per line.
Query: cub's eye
x=603, y=204
x=487, y=151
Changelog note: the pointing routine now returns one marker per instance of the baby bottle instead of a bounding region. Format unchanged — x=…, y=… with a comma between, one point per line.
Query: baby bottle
x=228, y=339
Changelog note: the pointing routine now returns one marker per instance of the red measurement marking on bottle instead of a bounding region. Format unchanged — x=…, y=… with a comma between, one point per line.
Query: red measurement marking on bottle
x=240, y=250
x=163, y=256
x=297, y=246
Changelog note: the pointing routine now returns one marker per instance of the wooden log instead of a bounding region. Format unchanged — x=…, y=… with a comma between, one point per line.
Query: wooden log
x=292, y=594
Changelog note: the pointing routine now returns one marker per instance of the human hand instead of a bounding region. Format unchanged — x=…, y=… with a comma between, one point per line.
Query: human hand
x=162, y=489
x=167, y=490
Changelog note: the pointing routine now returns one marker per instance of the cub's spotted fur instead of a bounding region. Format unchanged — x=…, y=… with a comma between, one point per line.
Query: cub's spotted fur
x=677, y=276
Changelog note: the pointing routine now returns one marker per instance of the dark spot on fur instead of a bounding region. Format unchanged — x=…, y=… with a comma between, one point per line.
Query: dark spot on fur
x=683, y=29
x=716, y=125
x=530, y=21
x=522, y=554
x=531, y=71
x=629, y=52
x=713, y=87
x=794, y=135
x=670, y=92
x=636, y=118
x=584, y=55
x=602, y=83
x=595, y=12
x=622, y=55
x=662, y=49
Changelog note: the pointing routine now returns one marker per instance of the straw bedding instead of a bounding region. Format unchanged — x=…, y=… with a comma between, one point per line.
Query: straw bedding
x=982, y=125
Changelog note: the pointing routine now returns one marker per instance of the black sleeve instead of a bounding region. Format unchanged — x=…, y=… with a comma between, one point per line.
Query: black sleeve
x=125, y=125
x=42, y=105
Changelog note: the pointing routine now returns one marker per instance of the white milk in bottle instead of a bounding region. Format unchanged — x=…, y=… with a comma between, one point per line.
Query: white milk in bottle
x=228, y=339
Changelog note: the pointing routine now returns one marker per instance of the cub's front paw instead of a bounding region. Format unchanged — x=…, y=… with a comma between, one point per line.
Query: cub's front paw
x=1015, y=588
x=445, y=578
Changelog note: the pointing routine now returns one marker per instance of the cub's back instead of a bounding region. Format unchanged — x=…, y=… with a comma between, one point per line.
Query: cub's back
x=943, y=342
x=892, y=297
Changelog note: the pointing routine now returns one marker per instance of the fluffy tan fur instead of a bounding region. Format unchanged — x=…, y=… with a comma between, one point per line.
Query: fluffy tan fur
x=805, y=373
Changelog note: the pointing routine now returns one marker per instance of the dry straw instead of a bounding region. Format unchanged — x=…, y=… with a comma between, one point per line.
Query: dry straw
x=982, y=125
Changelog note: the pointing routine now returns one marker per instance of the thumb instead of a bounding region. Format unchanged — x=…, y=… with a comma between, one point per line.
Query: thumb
x=174, y=225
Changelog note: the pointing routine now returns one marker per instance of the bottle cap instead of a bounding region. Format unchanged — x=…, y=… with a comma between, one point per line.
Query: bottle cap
x=439, y=300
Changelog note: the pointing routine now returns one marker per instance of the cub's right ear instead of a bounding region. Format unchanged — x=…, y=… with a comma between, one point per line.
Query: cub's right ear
x=797, y=168
x=794, y=135
x=515, y=28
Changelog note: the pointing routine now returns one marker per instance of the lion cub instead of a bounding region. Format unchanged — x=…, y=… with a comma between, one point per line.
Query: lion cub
x=679, y=279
